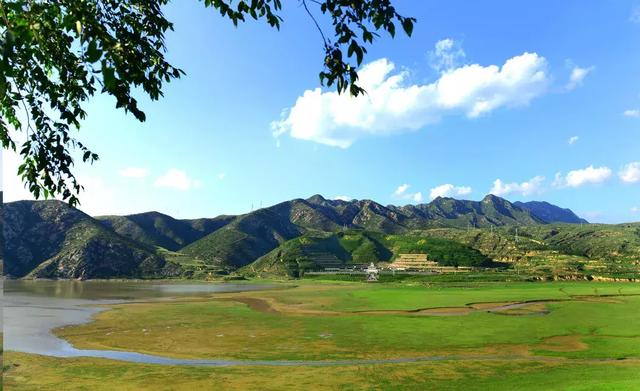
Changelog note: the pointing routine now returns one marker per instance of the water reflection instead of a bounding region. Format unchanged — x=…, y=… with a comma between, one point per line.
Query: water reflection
x=33, y=308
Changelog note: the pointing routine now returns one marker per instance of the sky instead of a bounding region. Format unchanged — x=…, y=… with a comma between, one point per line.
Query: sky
x=528, y=101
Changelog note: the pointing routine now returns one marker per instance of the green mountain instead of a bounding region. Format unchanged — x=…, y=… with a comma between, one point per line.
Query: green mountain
x=544, y=250
x=251, y=236
x=52, y=240
x=157, y=229
x=551, y=213
x=449, y=212
x=315, y=251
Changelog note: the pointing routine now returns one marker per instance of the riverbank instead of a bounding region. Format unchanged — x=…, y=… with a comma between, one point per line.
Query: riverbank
x=337, y=334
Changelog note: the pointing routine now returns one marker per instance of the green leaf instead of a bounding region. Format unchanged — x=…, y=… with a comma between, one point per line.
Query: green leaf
x=407, y=25
x=93, y=54
x=108, y=77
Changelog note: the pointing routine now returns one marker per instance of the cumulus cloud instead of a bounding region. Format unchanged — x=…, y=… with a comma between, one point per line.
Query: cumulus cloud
x=632, y=113
x=134, y=172
x=402, y=193
x=577, y=178
x=577, y=76
x=177, y=179
x=392, y=105
x=449, y=190
x=531, y=186
x=447, y=54
x=630, y=173
x=572, y=140
x=343, y=198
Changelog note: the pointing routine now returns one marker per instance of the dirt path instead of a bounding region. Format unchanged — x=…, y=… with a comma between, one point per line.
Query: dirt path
x=515, y=308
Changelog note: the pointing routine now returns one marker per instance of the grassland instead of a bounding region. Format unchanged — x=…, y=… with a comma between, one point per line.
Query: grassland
x=492, y=335
x=30, y=372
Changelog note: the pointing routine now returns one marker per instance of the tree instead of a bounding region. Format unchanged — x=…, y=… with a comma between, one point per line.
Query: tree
x=58, y=54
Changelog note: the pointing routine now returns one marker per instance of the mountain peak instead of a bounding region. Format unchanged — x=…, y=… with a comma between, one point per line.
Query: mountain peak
x=492, y=198
x=316, y=199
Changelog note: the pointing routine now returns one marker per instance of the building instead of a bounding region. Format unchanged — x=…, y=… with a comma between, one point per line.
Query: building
x=417, y=262
x=421, y=263
x=372, y=272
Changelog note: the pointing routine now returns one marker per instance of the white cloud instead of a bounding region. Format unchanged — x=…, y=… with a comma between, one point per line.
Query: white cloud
x=577, y=178
x=572, y=140
x=133, y=172
x=392, y=105
x=448, y=190
x=635, y=209
x=177, y=179
x=577, y=76
x=222, y=175
x=343, y=198
x=632, y=113
x=401, y=192
x=531, y=186
x=447, y=55
x=630, y=173
x=401, y=189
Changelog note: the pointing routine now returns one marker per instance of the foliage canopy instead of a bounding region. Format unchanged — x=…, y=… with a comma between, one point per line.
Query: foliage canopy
x=55, y=55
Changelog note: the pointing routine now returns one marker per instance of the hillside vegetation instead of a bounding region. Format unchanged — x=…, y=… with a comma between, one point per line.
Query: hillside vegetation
x=49, y=239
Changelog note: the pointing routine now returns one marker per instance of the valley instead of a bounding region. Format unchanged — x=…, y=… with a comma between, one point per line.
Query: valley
x=513, y=296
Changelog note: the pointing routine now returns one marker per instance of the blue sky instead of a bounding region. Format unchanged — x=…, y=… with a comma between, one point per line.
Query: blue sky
x=543, y=97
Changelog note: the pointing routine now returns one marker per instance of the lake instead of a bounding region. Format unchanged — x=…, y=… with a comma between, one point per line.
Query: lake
x=33, y=308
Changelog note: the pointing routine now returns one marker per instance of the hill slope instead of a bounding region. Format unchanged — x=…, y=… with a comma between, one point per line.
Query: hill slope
x=72, y=243
x=157, y=229
x=313, y=251
x=551, y=213
x=50, y=239
x=253, y=235
x=543, y=250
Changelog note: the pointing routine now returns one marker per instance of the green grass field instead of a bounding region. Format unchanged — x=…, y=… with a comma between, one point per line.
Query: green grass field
x=495, y=335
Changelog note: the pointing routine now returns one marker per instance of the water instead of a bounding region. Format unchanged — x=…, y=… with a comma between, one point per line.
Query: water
x=32, y=309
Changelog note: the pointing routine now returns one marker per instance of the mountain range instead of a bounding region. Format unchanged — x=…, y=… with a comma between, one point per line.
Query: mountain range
x=50, y=239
